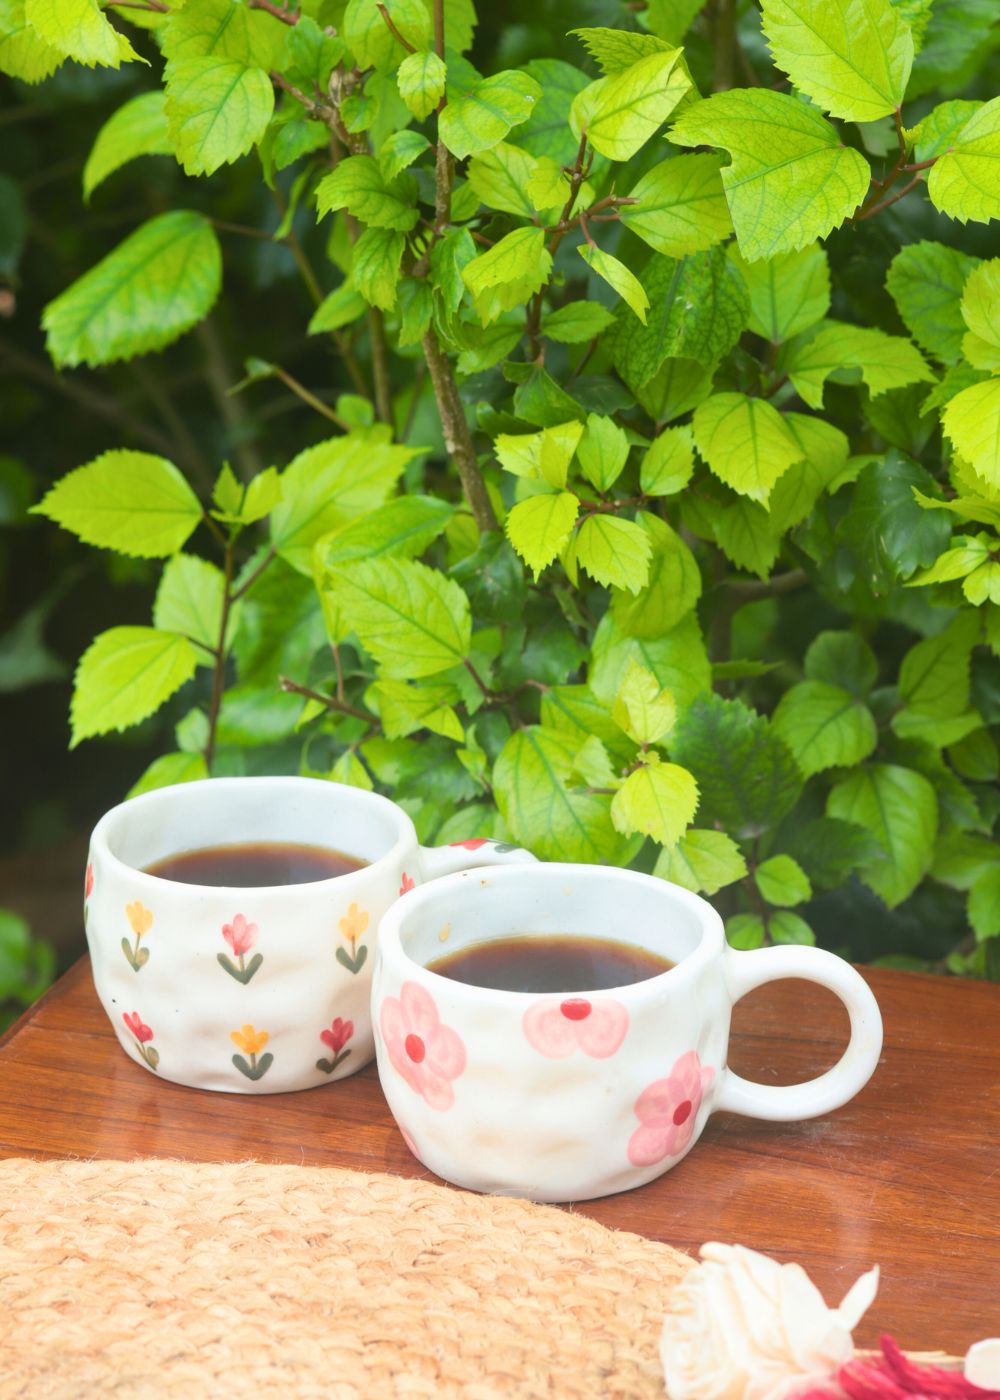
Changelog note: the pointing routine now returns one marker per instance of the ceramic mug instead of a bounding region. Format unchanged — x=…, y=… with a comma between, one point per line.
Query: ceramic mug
x=570, y=1096
x=257, y=990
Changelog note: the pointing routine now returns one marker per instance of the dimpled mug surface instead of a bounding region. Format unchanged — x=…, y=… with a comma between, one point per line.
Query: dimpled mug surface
x=572, y=1095
x=250, y=990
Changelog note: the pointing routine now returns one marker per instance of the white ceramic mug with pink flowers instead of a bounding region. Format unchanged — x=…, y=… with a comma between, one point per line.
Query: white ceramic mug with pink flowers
x=251, y=990
x=568, y=1096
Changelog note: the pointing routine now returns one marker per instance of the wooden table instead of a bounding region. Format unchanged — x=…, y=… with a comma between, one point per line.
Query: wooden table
x=907, y=1175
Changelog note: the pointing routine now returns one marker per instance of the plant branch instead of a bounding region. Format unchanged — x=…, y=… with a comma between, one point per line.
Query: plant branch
x=484, y=688
x=380, y=365
x=444, y=164
x=393, y=30
x=307, y=396
x=248, y=583
x=457, y=437
x=577, y=175
x=341, y=706
x=188, y=450
x=219, y=670
x=892, y=199
x=220, y=379
x=724, y=44
x=749, y=590
x=286, y=16
x=157, y=6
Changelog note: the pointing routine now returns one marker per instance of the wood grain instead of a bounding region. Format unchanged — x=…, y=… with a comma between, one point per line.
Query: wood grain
x=906, y=1176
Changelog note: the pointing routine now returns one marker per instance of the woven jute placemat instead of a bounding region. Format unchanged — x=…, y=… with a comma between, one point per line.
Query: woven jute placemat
x=162, y=1278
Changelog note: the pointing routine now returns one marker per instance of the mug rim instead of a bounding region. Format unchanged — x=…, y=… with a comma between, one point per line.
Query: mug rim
x=406, y=834
x=711, y=940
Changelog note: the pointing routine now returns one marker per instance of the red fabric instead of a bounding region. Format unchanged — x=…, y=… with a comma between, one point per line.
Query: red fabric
x=893, y=1376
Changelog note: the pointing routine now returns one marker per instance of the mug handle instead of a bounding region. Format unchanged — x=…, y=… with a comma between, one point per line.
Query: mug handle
x=747, y=970
x=465, y=855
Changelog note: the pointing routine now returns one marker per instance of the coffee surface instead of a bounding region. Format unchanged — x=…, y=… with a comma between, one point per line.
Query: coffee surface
x=541, y=963
x=256, y=863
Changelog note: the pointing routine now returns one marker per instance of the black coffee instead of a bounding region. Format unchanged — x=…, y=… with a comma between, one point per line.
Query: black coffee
x=256, y=863
x=551, y=963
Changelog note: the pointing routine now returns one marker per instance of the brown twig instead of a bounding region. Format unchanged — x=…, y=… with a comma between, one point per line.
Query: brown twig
x=393, y=30
x=248, y=583
x=219, y=671
x=157, y=6
x=341, y=706
x=577, y=175
x=307, y=396
x=457, y=437
x=444, y=165
x=892, y=199
x=724, y=44
x=286, y=16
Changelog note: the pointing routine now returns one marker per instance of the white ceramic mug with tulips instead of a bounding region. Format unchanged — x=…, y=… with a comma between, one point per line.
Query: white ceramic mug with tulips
x=567, y=1096
x=251, y=990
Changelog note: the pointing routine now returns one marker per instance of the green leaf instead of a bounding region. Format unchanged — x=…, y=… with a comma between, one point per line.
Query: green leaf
x=679, y=385
x=403, y=709
x=358, y=184
x=501, y=176
x=539, y=527
x=615, y=552
x=576, y=322
x=925, y=281
x=786, y=927
x=934, y=674
x=645, y=711
x=149, y=290
x=824, y=726
x=964, y=182
x=626, y=108
x=829, y=849
x=983, y=584
x=852, y=57
x=825, y=449
x=984, y=905
x=744, y=533
x=981, y=313
x=883, y=361
x=681, y=206
x=370, y=39
x=132, y=502
x=899, y=808
x=124, y=676
x=668, y=464
x=746, y=931
x=746, y=775
x=938, y=131
x=618, y=276
x=699, y=309
x=343, y=305
x=960, y=859
x=677, y=659
x=745, y=442
x=23, y=54
x=241, y=504
x=399, y=150
x=658, y=800
x=672, y=590
x=788, y=293
x=413, y=620
x=971, y=420
x=781, y=880
x=701, y=861
x=575, y=711
x=531, y=782
x=844, y=659
x=189, y=601
x=403, y=527
x=329, y=484
x=615, y=49
x=138, y=128
x=375, y=265
x=953, y=564
x=484, y=114
x=976, y=757
x=421, y=79
x=217, y=109
x=791, y=179
x=507, y=274
x=168, y=770
x=223, y=29
x=543, y=456
x=891, y=535
x=78, y=29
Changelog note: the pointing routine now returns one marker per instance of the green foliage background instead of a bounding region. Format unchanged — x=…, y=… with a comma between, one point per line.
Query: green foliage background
x=615, y=465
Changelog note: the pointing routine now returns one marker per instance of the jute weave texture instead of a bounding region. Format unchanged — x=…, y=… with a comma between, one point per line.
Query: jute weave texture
x=162, y=1278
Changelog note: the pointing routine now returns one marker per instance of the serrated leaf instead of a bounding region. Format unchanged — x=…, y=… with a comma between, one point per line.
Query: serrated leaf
x=217, y=109
x=509, y=273
x=169, y=770
x=413, y=620
x=23, y=54
x=934, y=674
x=961, y=858
x=646, y=712
x=899, y=807
x=78, y=29
x=671, y=591
x=668, y=463
x=744, y=533
x=886, y=527
x=576, y=322
x=403, y=527
x=971, y=421
x=224, y=29
x=618, y=276
x=746, y=931
x=132, y=502
x=615, y=49
x=189, y=602
x=501, y=178
x=539, y=527
x=399, y=150
x=981, y=313
x=745, y=442
x=342, y=306
x=138, y=128
x=677, y=659
x=824, y=459
x=786, y=927
x=782, y=881
x=125, y=675
x=483, y=114
x=603, y=451
x=983, y=585
x=984, y=905
x=370, y=39
x=375, y=265
x=746, y=774
x=575, y=711
x=681, y=206
x=153, y=287
x=952, y=564
x=829, y=849
x=658, y=800
x=824, y=726
x=964, y=182
x=925, y=280
x=542, y=456
x=359, y=185
x=404, y=708
x=621, y=112
x=844, y=659
x=852, y=57
x=788, y=293
x=882, y=361
x=421, y=79
x=701, y=861
x=791, y=179
x=615, y=552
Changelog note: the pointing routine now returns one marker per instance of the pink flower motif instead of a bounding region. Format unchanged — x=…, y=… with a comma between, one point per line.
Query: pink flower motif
x=240, y=935
x=557, y=1028
x=338, y=1035
x=136, y=1025
x=427, y=1054
x=667, y=1110
x=88, y=883
x=408, y=1140
x=473, y=843
x=407, y=884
